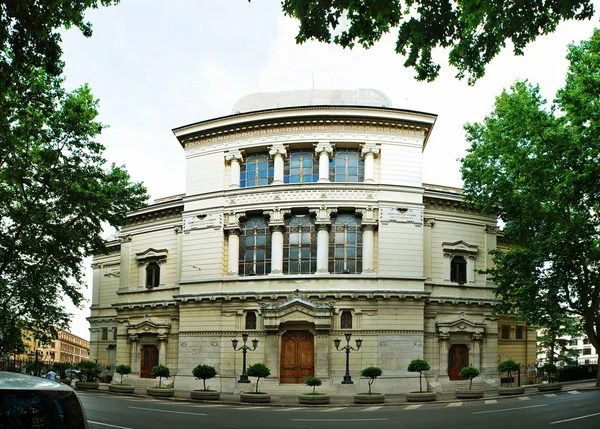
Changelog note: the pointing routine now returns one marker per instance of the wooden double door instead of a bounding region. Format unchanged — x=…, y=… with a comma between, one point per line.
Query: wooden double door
x=297, y=356
x=458, y=358
x=149, y=360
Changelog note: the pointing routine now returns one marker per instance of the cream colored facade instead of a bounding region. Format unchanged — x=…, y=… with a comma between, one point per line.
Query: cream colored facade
x=304, y=218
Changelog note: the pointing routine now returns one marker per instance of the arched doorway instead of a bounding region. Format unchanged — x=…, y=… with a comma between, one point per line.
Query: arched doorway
x=149, y=360
x=297, y=356
x=458, y=358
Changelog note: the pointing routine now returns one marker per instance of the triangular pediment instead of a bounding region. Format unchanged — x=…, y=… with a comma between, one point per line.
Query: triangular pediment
x=297, y=309
x=151, y=253
x=459, y=246
x=462, y=324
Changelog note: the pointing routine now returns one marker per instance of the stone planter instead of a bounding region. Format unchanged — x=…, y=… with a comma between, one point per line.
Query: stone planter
x=421, y=396
x=255, y=398
x=550, y=387
x=365, y=398
x=515, y=390
x=160, y=392
x=121, y=388
x=310, y=399
x=468, y=394
x=88, y=385
x=205, y=395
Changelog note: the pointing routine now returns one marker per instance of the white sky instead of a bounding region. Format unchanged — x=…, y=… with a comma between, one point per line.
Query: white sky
x=158, y=65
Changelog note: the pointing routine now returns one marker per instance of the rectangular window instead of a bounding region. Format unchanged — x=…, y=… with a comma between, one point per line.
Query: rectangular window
x=105, y=333
x=506, y=332
x=346, y=166
x=256, y=170
x=519, y=333
x=255, y=247
x=301, y=166
x=587, y=351
x=586, y=341
x=458, y=270
x=114, y=334
x=345, y=245
x=573, y=342
x=300, y=246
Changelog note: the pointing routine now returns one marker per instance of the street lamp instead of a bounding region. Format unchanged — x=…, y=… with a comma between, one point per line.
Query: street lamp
x=244, y=348
x=347, y=348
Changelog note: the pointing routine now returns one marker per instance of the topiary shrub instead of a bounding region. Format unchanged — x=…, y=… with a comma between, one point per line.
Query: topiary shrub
x=371, y=372
x=313, y=382
x=90, y=370
x=508, y=366
x=550, y=370
x=469, y=372
x=204, y=372
x=419, y=365
x=258, y=370
x=122, y=370
x=161, y=371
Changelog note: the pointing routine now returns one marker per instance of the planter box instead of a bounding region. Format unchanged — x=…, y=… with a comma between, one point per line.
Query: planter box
x=121, y=388
x=511, y=390
x=550, y=387
x=468, y=394
x=205, y=395
x=365, y=398
x=160, y=391
x=308, y=399
x=255, y=398
x=87, y=385
x=421, y=396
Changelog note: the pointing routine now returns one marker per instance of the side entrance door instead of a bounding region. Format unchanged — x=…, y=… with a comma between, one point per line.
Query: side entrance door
x=149, y=360
x=297, y=357
x=458, y=358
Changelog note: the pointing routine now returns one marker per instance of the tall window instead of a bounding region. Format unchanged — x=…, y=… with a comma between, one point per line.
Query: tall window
x=114, y=334
x=458, y=269
x=255, y=247
x=152, y=275
x=346, y=320
x=301, y=166
x=345, y=245
x=346, y=165
x=300, y=246
x=573, y=342
x=105, y=333
x=519, y=333
x=251, y=320
x=257, y=170
x=506, y=332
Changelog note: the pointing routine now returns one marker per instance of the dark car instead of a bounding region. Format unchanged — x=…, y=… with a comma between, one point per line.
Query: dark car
x=30, y=402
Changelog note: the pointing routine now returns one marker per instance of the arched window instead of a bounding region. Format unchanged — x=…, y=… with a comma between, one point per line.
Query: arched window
x=152, y=275
x=255, y=247
x=345, y=245
x=300, y=246
x=256, y=170
x=458, y=269
x=346, y=320
x=346, y=165
x=301, y=166
x=251, y=320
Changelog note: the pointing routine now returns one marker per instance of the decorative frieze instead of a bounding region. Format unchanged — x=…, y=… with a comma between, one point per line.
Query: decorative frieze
x=293, y=196
x=202, y=221
x=390, y=214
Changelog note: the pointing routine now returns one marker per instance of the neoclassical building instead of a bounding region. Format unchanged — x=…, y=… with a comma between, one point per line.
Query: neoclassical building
x=304, y=219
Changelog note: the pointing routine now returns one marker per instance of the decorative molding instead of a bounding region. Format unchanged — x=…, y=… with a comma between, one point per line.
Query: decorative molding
x=234, y=155
x=324, y=147
x=276, y=216
x=429, y=221
x=151, y=254
x=369, y=148
x=278, y=149
x=492, y=229
x=459, y=246
x=369, y=216
x=390, y=214
x=323, y=214
x=202, y=221
x=295, y=195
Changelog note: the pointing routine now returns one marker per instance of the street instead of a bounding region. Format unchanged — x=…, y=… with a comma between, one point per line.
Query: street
x=564, y=410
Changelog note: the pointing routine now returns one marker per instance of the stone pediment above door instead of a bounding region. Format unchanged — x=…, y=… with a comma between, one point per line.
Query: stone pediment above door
x=147, y=326
x=151, y=254
x=461, y=325
x=297, y=309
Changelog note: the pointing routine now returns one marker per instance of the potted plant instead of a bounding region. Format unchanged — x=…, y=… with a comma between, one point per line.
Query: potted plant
x=88, y=377
x=258, y=370
x=469, y=372
x=205, y=372
x=370, y=372
x=314, y=397
x=420, y=365
x=122, y=370
x=550, y=371
x=509, y=366
x=160, y=371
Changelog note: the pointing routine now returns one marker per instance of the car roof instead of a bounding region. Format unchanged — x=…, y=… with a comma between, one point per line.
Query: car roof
x=16, y=381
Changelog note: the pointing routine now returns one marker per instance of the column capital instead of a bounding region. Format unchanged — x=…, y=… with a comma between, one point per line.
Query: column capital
x=369, y=216
x=232, y=222
x=492, y=229
x=369, y=149
x=234, y=155
x=133, y=338
x=278, y=150
x=324, y=147
x=323, y=214
x=276, y=216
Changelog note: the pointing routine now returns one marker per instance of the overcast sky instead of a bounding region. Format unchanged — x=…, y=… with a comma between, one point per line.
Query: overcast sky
x=158, y=65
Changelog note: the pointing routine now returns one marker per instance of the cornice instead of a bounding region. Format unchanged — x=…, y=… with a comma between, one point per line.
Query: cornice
x=453, y=300
x=261, y=333
x=144, y=304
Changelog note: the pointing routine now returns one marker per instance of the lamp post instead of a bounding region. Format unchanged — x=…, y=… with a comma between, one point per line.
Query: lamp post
x=347, y=348
x=244, y=348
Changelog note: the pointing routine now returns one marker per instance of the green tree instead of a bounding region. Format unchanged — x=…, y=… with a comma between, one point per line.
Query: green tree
x=314, y=383
x=258, y=370
x=90, y=370
x=161, y=371
x=419, y=365
x=508, y=366
x=538, y=168
x=552, y=339
x=371, y=372
x=204, y=372
x=469, y=372
x=473, y=31
x=123, y=369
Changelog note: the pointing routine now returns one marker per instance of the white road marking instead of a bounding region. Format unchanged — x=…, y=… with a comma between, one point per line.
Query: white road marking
x=106, y=424
x=371, y=409
x=333, y=409
x=510, y=409
x=206, y=406
x=339, y=420
x=550, y=395
x=573, y=392
x=491, y=401
x=454, y=404
x=288, y=409
x=167, y=411
x=575, y=418
x=413, y=407
x=524, y=398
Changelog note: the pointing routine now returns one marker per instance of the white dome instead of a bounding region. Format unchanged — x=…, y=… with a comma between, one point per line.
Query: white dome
x=311, y=97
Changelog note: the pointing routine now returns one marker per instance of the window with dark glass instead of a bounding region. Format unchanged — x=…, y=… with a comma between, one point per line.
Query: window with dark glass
x=346, y=320
x=301, y=166
x=300, y=246
x=114, y=334
x=458, y=269
x=152, y=275
x=256, y=170
x=587, y=351
x=346, y=165
x=519, y=333
x=251, y=320
x=585, y=341
x=345, y=245
x=105, y=333
x=506, y=332
x=573, y=342
x=255, y=247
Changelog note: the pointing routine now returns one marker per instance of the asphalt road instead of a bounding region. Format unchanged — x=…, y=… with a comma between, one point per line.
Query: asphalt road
x=580, y=410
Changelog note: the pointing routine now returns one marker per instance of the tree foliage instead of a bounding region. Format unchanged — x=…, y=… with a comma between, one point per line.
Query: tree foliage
x=90, y=370
x=313, y=382
x=469, y=372
x=204, y=372
x=419, y=365
x=371, y=372
x=161, y=371
x=473, y=31
x=538, y=167
x=123, y=369
x=258, y=370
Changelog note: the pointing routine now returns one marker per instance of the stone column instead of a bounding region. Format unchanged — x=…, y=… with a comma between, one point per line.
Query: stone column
x=234, y=158
x=428, y=223
x=471, y=268
x=447, y=261
x=278, y=152
x=135, y=358
x=96, y=284
x=475, y=352
x=277, y=224
x=324, y=150
x=322, y=224
x=233, y=231
x=444, y=344
x=369, y=152
x=162, y=349
x=125, y=262
x=368, y=224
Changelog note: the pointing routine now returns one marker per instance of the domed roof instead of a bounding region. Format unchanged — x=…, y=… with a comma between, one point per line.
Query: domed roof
x=311, y=97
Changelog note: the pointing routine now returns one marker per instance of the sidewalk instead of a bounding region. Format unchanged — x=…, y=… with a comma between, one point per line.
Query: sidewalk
x=347, y=401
